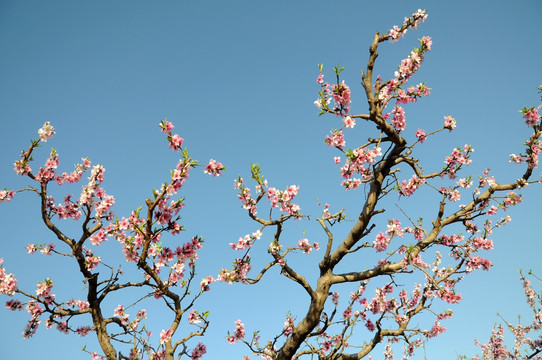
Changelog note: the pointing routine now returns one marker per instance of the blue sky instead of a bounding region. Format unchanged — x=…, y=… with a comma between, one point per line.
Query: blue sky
x=237, y=79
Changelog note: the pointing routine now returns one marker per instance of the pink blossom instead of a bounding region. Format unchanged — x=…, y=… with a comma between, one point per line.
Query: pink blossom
x=320, y=79
x=407, y=189
x=198, y=351
x=166, y=126
x=238, y=334
x=14, y=305
x=449, y=123
x=420, y=134
x=165, y=336
x=175, y=142
x=341, y=95
x=92, y=262
x=394, y=228
x=241, y=268
x=99, y=237
x=349, y=122
x=214, y=168
x=119, y=312
x=46, y=250
x=398, y=120
x=335, y=298
x=435, y=330
x=476, y=262
x=304, y=245
x=531, y=117
x=336, y=139
x=206, y=282
x=516, y=159
x=6, y=195
x=482, y=243
x=427, y=42
x=283, y=199
x=62, y=327
x=31, y=248
x=46, y=132
x=288, y=326
x=193, y=317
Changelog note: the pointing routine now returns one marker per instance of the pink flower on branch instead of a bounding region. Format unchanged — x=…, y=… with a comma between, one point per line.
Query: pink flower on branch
x=238, y=334
x=175, y=142
x=341, y=96
x=306, y=247
x=349, y=122
x=410, y=22
x=14, y=305
x=246, y=241
x=198, y=351
x=381, y=242
x=241, y=268
x=288, y=326
x=166, y=126
x=398, y=120
x=193, y=317
x=336, y=139
x=6, y=195
x=283, y=199
x=531, y=116
x=449, y=123
x=420, y=134
x=477, y=262
x=320, y=79
x=214, y=168
x=165, y=336
x=8, y=283
x=46, y=132
x=208, y=280
x=407, y=189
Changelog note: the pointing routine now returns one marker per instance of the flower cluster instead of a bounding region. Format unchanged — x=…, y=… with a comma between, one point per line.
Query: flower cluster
x=246, y=241
x=458, y=158
x=410, y=22
x=8, y=283
x=359, y=161
x=198, y=351
x=241, y=267
x=283, y=199
x=340, y=93
x=407, y=189
x=214, y=168
x=336, y=139
x=420, y=134
x=46, y=132
x=341, y=96
x=245, y=196
x=43, y=291
x=205, y=282
x=238, y=334
x=6, y=195
x=449, y=122
x=531, y=116
x=75, y=175
x=288, y=326
x=304, y=245
x=175, y=141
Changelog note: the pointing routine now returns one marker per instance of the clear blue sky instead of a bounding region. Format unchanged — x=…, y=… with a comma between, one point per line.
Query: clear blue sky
x=237, y=78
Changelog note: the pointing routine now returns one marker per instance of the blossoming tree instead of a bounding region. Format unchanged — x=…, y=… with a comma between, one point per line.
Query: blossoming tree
x=434, y=251
x=337, y=325
x=168, y=274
